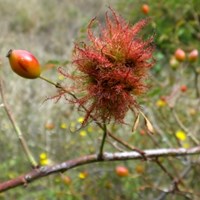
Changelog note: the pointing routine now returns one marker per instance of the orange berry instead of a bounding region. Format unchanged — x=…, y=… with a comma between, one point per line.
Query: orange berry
x=192, y=111
x=66, y=179
x=49, y=126
x=142, y=132
x=180, y=55
x=24, y=63
x=122, y=171
x=183, y=88
x=174, y=64
x=145, y=9
x=140, y=169
x=193, y=55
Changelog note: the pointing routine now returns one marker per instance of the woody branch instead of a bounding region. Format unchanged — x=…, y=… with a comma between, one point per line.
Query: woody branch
x=106, y=156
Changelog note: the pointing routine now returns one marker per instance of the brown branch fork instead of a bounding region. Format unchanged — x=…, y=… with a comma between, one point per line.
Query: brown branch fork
x=40, y=172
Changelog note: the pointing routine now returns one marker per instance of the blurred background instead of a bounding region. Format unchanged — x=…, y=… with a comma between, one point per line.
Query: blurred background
x=49, y=29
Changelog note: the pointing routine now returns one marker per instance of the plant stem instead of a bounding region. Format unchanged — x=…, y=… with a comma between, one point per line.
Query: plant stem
x=196, y=77
x=57, y=85
x=182, y=126
x=51, y=82
x=17, y=130
x=103, y=141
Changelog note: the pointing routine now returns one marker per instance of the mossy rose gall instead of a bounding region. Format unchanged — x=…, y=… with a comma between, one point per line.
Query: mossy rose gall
x=24, y=64
x=111, y=68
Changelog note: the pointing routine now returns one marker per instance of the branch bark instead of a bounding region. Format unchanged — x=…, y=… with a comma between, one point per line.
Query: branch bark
x=64, y=166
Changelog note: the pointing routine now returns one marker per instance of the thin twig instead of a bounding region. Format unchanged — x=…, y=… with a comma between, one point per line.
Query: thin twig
x=17, y=129
x=125, y=144
x=182, y=126
x=197, y=85
x=169, y=160
x=196, y=80
x=115, y=145
x=164, y=169
x=163, y=195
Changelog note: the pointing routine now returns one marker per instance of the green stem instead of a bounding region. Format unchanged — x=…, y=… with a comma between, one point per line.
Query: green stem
x=51, y=82
x=18, y=131
x=57, y=85
x=103, y=141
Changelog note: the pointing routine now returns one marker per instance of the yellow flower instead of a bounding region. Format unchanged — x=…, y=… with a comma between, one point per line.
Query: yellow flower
x=43, y=159
x=83, y=175
x=186, y=145
x=90, y=129
x=43, y=156
x=63, y=125
x=61, y=77
x=80, y=119
x=160, y=103
x=83, y=133
x=181, y=135
x=73, y=126
x=44, y=162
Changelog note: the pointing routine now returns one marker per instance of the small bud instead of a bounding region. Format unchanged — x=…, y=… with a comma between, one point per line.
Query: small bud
x=24, y=63
x=180, y=55
x=193, y=55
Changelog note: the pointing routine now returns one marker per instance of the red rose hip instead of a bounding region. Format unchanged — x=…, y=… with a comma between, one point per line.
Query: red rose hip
x=121, y=171
x=193, y=55
x=180, y=55
x=24, y=64
x=145, y=9
x=183, y=88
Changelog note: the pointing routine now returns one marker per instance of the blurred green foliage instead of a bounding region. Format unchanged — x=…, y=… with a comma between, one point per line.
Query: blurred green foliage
x=49, y=30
